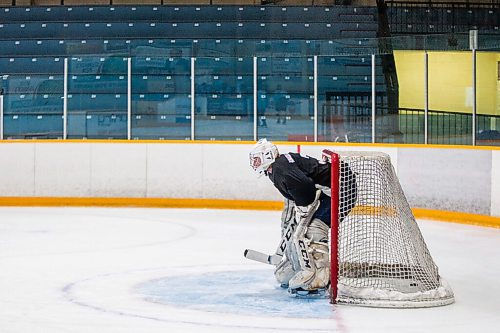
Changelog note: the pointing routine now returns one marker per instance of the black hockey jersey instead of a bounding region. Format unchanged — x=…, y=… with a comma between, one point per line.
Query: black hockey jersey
x=295, y=176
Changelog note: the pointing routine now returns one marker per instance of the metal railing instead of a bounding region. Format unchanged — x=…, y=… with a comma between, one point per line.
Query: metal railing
x=352, y=123
x=429, y=17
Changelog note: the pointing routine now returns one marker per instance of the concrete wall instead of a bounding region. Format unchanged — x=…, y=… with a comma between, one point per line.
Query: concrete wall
x=454, y=179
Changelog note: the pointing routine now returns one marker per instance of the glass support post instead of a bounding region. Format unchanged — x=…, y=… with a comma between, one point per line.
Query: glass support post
x=65, y=100
x=129, y=98
x=473, y=44
x=474, y=92
x=373, y=98
x=192, y=98
x=1, y=116
x=426, y=98
x=315, y=98
x=255, y=108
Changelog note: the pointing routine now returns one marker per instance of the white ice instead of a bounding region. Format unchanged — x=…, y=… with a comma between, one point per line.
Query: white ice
x=182, y=270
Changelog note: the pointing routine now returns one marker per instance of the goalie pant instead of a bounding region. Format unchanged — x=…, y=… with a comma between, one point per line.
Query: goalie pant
x=297, y=177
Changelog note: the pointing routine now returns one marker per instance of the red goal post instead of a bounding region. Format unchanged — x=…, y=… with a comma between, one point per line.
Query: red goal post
x=334, y=159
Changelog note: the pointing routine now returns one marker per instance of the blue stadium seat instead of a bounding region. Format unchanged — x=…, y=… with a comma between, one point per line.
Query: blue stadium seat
x=97, y=102
x=31, y=65
x=156, y=84
x=187, y=13
x=203, y=29
x=32, y=47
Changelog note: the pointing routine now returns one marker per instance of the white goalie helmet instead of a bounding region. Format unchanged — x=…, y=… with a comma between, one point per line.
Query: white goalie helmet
x=262, y=155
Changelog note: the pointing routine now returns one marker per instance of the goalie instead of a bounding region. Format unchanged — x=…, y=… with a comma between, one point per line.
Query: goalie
x=304, y=265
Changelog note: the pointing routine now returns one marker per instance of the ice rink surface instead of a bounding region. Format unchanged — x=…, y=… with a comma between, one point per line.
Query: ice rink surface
x=182, y=270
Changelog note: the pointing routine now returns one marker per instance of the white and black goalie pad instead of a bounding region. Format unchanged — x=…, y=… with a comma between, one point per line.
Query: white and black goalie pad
x=287, y=215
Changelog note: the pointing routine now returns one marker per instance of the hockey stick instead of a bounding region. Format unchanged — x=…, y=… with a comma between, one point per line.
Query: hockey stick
x=273, y=259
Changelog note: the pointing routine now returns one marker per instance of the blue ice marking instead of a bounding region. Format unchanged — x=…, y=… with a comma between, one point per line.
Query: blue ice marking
x=253, y=292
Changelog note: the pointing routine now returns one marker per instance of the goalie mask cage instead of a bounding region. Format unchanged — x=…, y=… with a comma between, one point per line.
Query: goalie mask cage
x=378, y=255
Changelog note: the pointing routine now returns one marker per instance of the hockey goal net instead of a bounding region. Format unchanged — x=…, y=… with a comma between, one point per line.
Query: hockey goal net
x=378, y=255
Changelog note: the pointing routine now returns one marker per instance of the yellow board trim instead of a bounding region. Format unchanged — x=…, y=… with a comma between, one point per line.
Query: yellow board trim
x=139, y=202
x=284, y=143
x=457, y=217
x=420, y=213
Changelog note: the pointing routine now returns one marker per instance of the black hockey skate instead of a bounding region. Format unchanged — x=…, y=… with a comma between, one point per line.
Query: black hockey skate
x=315, y=293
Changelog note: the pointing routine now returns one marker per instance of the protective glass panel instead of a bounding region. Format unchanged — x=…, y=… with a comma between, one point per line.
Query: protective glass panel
x=386, y=100
x=286, y=98
x=97, y=97
x=344, y=99
x=405, y=108
x=224, y=98
x=161, y=103
x=488, y=98
x=450, y=98
x=32, y=101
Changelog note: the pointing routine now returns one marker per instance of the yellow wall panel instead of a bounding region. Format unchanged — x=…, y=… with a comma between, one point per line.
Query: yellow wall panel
x=450, y=81
x=488, y=84
x=410, y=69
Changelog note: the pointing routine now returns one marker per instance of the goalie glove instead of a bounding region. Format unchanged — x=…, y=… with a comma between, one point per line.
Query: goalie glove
x=325, y=189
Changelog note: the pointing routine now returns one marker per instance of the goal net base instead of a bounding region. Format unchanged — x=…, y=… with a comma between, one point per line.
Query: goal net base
x=373, y=297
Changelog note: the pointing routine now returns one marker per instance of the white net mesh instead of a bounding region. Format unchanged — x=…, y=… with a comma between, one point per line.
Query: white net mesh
x=382, y=257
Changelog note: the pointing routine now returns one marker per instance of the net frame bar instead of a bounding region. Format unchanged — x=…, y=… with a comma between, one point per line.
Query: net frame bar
x=334, y=229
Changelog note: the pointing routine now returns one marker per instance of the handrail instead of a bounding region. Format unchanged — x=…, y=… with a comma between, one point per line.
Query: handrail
x=440, y=4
